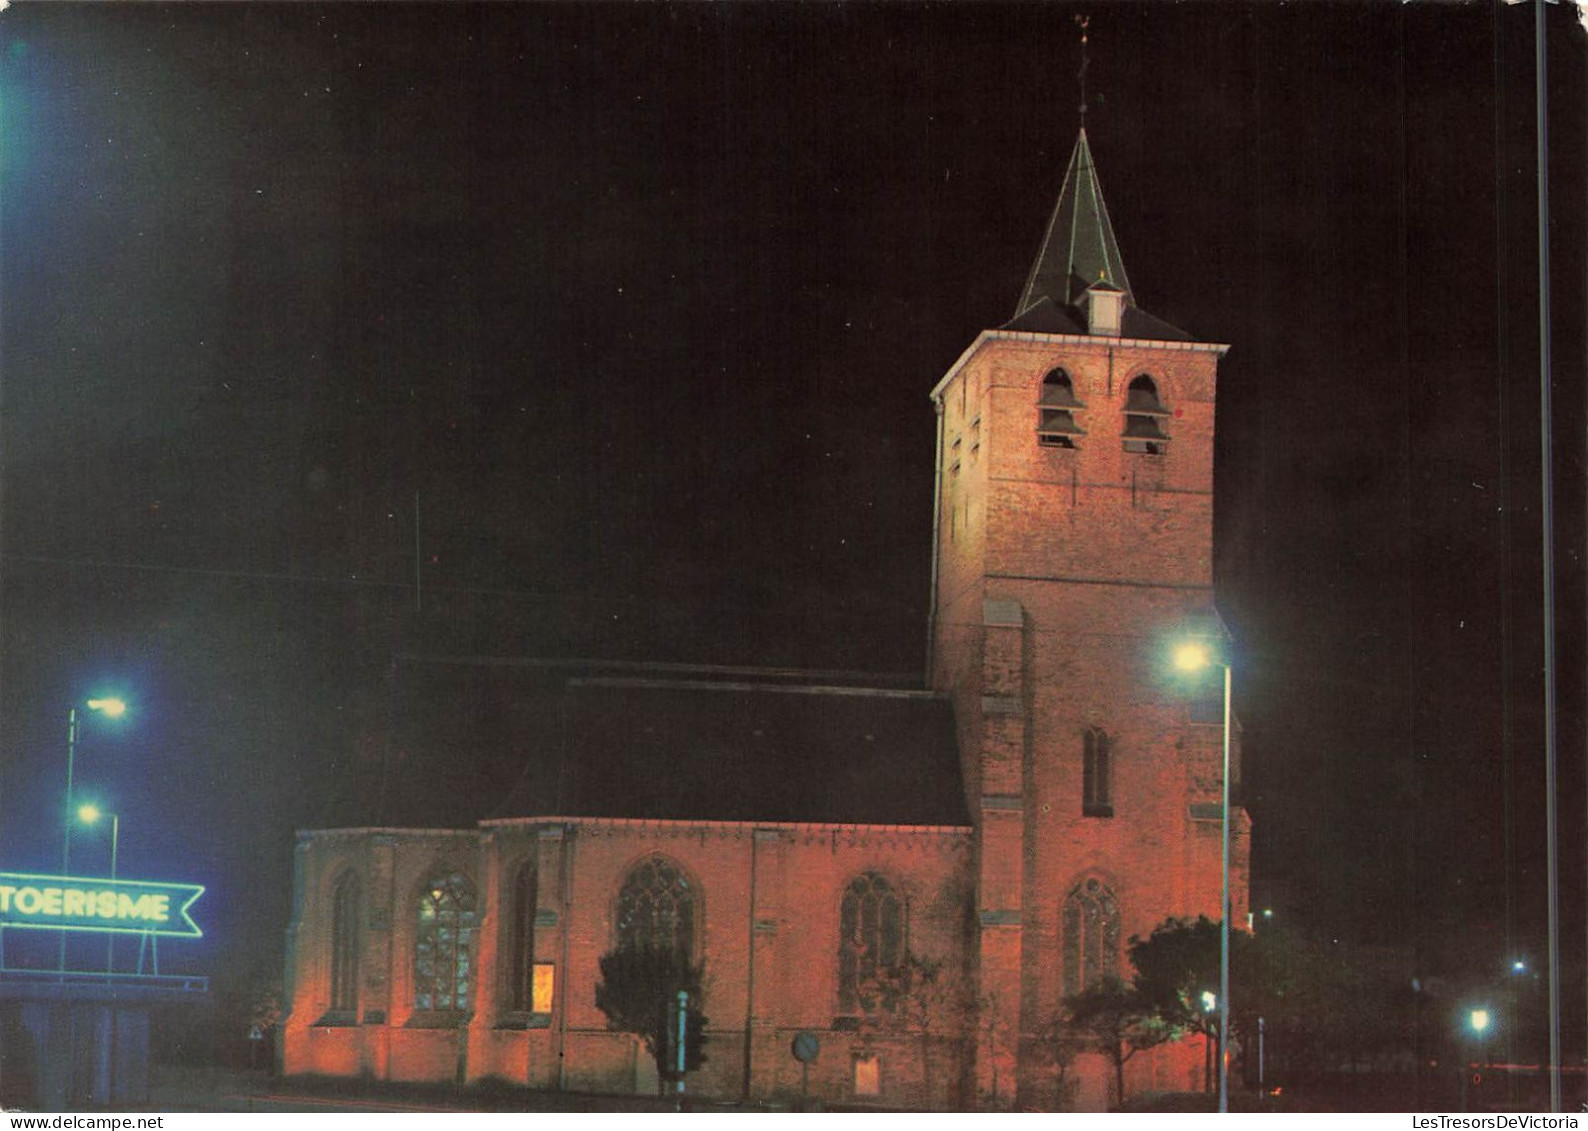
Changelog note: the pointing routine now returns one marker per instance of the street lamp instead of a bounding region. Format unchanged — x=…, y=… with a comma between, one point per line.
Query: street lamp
x=111, y=708
x=90, y=814
x=1210, y=1003
x=1478, y=1020
x=1190, y=656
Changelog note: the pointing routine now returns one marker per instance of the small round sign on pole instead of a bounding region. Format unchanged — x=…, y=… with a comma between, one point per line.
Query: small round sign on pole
x=805, y=1047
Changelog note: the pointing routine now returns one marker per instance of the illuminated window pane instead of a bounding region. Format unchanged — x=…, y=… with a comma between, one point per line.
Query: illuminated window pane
x=1091, y=925
x=868, y=1076
x=545, y=984
x=656, y=908
x=871, y=943
x=444, y=943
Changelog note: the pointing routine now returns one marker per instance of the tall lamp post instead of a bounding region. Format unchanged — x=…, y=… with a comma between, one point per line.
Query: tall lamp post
x=111, y=708
x=1194, y=655
x=90, y=814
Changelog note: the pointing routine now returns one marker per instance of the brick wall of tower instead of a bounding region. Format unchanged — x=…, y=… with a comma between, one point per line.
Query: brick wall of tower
x=1097, y=511
x=1098, y=555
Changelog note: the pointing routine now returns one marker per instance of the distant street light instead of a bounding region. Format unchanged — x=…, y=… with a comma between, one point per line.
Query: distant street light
x=90, y=814
x=1478, y=1021
x=1190, y=656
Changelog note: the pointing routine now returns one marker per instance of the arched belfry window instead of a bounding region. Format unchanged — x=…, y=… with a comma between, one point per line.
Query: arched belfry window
x=1097, y=771
x=444, y=944
x=871, y=943
x=656, y=908
x=520, y=941
x=1091, y=936
x=1144, y=417
x=346, y=942
x=1057, y=407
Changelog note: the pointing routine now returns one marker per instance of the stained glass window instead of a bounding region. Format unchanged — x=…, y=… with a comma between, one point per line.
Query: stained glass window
x=656, y=908
x=871, y=941
x=1091, y=936
x=443, y=949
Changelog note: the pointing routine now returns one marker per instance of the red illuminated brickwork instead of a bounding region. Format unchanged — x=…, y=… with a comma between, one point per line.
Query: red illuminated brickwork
x=1060, y=589
x=1011, y=846
x=766, y=907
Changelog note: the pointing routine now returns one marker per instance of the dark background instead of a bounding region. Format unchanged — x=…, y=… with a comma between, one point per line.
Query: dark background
x=641, y=305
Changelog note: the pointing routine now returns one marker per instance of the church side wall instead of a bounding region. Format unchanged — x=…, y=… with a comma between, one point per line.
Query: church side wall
x=767, y=907
x=382, y=1037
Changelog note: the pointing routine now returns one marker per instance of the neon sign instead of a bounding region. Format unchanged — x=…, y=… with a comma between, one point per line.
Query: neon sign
x=73, y=903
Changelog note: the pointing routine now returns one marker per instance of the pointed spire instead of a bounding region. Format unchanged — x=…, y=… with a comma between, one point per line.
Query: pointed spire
x=1079, y=248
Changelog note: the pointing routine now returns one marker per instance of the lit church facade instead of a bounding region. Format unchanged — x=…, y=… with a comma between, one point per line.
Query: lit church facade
x=917, y=878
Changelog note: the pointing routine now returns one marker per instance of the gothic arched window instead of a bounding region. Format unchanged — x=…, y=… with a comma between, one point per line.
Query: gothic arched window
x=520, y=941
x=656, y=908
x=345, y=945
x=1091, y=936
x=1144, y=414
x=444, y=944
x=1056, y=409
x=871, y=942
x=1097, y=773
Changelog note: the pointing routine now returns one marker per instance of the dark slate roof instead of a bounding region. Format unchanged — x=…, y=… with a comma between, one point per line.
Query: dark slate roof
x=1079, y=251
x=1046, y=317
x=1078, y=247
x=677, y=750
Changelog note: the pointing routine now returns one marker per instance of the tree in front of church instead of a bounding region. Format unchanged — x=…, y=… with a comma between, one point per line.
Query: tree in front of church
x=639, y=991
x=1177, y=978
x=1117, y=1020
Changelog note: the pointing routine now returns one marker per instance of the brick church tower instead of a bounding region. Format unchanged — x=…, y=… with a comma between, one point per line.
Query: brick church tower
x=1073, y=544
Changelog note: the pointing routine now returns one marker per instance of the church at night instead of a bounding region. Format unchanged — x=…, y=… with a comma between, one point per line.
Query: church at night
x=915, y=877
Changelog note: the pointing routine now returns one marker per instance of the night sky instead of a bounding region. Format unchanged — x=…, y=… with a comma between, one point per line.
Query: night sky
x=350, y=352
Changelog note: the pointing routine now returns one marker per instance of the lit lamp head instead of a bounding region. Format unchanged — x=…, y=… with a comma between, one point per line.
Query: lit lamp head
x=1191, y=656
x=110, y=708
x=1210, y=1001
x=1479, y=1020
x=88, y=814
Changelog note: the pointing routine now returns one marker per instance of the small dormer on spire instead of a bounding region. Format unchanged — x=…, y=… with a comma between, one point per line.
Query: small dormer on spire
x=1105, y=309
x=1079, y=248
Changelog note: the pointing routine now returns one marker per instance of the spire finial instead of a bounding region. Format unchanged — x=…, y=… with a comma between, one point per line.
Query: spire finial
x=1083, y=22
